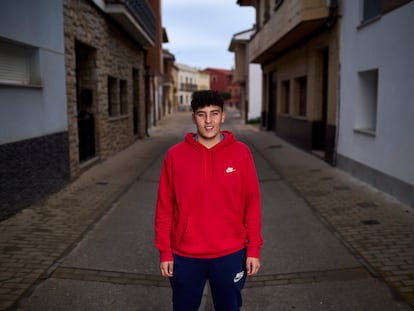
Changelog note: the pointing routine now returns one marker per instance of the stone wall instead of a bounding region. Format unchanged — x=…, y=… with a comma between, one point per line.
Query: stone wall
x=30, y=170
x=113, y=53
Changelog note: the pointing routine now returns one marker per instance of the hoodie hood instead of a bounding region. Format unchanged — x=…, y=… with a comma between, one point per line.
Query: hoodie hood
x=228, y=139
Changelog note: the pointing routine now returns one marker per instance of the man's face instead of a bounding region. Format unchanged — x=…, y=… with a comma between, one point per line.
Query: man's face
x=208, y=121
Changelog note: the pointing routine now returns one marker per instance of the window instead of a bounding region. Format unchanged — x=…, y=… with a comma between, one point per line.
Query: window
x=117, y=97
x=123, y=97
x=370, y=9
x=266, y=13
x=278, y=3
x=112, y=97
x=19, y=64
x=300, y=96
x=284, y=97
x=366, y=110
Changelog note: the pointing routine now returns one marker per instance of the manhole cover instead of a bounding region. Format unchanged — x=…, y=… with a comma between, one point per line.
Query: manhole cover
x=370, y=222
x=326, y=178
x=315, y=170
x=341, y=188
x=366, y=204
x=275, y=146
x=316, y=193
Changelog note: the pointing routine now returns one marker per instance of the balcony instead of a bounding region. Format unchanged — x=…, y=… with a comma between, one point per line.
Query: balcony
x=188, y=87
x=136, y=17
x=292, y=22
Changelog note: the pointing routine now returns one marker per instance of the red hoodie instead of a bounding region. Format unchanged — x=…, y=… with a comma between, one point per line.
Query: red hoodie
x=208, y=201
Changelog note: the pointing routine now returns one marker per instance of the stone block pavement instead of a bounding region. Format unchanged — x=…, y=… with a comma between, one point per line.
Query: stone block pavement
x=33, y=241
x=376, y=228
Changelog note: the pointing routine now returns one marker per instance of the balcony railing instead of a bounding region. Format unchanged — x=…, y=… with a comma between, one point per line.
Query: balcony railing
x=187, y=87
x=136, y=17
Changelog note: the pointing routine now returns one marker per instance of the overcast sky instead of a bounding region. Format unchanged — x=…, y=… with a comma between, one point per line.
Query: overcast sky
x=200, y=31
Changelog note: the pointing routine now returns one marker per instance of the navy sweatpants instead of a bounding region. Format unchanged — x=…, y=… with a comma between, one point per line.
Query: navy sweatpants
x=226, y=276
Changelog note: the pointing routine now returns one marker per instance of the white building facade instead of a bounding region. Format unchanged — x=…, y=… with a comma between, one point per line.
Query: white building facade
x=34, y=146
x=187, y=84
x=249, y=75
x=254, y=92
x=74, y=90
x=376, y=128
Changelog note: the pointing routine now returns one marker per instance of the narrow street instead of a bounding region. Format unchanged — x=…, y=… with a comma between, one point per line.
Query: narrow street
x=331, y=242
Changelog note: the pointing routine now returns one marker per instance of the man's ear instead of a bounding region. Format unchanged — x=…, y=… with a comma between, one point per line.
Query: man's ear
x=193, y=118
x=223, y=117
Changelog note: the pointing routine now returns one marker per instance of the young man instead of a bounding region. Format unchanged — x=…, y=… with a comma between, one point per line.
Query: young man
x=208, y=217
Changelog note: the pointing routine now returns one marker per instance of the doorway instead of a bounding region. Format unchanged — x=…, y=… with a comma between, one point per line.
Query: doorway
x=135, y=100
x=319, y=126
x=272, y=101
x=85, y=100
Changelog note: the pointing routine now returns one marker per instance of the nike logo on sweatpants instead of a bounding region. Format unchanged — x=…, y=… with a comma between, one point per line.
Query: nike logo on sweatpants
x=238, y=277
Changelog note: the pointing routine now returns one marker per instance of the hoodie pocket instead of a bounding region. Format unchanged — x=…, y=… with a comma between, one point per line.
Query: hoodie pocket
x=217, y=234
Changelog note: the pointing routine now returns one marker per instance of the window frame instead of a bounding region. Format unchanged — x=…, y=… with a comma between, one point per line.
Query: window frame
x=285, y=97
x=19, y=64
x=370, y=10
x=123, y=97
x=300, y=93
x=366, y=112
x=113, y=97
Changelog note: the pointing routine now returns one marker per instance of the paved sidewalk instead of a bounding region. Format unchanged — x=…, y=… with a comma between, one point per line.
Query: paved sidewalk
x=48, y=241
x=33, y=241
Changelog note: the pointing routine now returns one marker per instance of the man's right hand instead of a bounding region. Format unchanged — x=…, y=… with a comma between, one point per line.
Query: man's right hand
x=167, y=268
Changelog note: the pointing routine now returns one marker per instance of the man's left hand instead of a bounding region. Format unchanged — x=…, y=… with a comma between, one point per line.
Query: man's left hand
x=252, y=265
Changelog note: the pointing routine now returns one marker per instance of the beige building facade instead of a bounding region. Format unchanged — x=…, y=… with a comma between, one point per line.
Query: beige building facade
x=297, y=44
x=203, y=80
x=170, y=102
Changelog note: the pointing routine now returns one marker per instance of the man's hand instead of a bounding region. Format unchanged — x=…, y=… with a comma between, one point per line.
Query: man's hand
x=252, y=265
x=167, y=268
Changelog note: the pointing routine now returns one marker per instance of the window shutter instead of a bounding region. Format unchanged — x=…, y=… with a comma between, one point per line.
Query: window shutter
x=14, y=64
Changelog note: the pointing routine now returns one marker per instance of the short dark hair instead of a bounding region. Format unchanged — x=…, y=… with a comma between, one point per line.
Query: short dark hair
x=205, y=98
